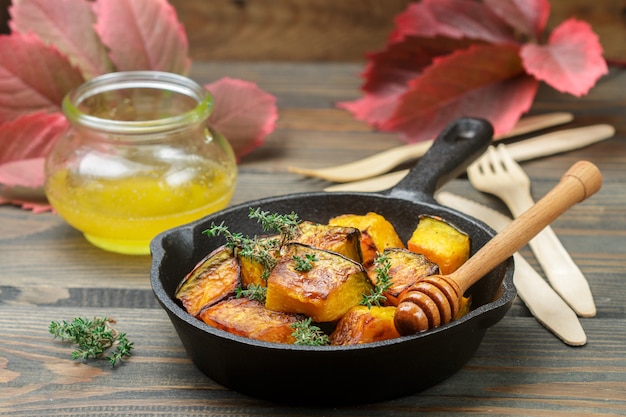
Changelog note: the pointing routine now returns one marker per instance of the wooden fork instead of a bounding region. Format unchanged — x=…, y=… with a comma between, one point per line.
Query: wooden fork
x=497, y=173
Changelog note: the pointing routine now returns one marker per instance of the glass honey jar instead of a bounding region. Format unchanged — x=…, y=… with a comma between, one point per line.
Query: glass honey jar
x=138, y=158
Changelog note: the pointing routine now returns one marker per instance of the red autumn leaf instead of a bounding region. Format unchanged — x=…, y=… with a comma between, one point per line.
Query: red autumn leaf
x=25, y=138
x=452, y=19
x=572, y=60
x=529, y=17
x=61, y=23
x=143, y=35
x=33, y=76
x=24, y=142
x=243, y=113
x=389, y=72
x=485, y=81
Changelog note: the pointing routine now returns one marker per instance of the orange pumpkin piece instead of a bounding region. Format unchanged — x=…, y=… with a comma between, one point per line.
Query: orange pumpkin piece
x=214, y=278
x=325, y=292
x=250, y=318
x=377, y=233
x=441, y=242
x=343, y=240
x=365, y=325
x=251, y=270
x=406, y=268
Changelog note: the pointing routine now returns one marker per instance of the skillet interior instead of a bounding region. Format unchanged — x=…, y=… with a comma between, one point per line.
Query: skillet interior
x=337, y=374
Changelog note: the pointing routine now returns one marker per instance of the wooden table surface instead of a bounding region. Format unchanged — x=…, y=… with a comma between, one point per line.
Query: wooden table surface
x=49, y=272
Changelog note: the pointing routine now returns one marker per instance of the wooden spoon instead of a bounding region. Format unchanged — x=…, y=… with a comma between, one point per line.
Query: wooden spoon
x=435, y=300
x=389, y=159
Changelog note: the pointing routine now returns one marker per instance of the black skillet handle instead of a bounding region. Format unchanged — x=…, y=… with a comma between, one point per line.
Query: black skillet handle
x=456, y=147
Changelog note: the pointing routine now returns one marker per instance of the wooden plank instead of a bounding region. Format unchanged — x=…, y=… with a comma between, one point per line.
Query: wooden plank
x=541, y=374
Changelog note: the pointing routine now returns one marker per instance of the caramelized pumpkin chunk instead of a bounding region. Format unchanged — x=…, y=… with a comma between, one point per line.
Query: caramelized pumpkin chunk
x=406, y=268
x=365, y=325
x=377, y=233
x=441, y=242
x=343, y=240
x=214, y=278
x=253, y=271
x=325, y=292
x=250, y=318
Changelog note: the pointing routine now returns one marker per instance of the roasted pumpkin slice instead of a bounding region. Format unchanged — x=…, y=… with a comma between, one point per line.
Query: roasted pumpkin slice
x=406, y=268
x=365, y=325
x=250, y=318
x=377, y=233
x=441, y=242
x=324, y=291
x=253, y=271
x=212, y=280
x=343, y=240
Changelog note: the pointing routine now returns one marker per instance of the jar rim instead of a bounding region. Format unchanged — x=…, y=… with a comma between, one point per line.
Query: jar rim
x=121, y=80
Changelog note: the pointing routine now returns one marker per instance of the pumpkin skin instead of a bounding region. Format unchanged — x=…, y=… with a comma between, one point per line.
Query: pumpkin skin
x=441, y=242
x=213, y=279
x=377, y=233
x=406, y=268
x=365, y=325
x=343, y=240
x=326, y=292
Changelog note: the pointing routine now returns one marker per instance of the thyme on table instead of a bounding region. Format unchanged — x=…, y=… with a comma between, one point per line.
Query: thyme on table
x=376, y=296
x=93, y=338
x=306, y=333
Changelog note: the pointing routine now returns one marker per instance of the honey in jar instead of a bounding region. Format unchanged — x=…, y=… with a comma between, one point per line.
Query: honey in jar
x=138, y=158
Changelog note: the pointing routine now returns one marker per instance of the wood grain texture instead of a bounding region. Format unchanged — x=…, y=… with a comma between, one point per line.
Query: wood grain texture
x=330, y=30
x=49, y=272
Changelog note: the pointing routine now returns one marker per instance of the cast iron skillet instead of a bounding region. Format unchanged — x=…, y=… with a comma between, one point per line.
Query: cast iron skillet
x=334, y=375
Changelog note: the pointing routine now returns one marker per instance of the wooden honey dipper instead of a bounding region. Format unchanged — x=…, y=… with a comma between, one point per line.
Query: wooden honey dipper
x=435, y=300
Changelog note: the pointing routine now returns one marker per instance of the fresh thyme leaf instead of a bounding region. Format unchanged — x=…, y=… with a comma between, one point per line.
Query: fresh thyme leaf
x=306, y=333
x=285, y=224
x=304, y=264
x=93, y=338
x=383, y=282
x=253, y=292
x=261, y=250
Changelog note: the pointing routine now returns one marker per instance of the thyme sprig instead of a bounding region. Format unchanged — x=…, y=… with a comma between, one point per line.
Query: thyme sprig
x=93, y=338
x=376, y=296
x=304, y=264
x=261, y=250
x=254, y=292
x=308, y=334
x=285, y=224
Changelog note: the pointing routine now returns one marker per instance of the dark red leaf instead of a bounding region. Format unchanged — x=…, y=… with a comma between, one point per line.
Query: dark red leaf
x=485, y=81
x=529, y=17
x=33, y=76
x=389, y=71
x=453, y=19
x=572, y=60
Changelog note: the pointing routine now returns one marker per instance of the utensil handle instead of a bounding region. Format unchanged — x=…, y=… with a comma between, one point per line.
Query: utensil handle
x=582, y=180
x=456, y=147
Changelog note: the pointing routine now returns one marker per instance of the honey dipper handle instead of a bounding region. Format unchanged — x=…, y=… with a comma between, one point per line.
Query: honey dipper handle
x=582, y=180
